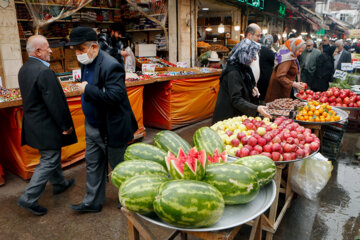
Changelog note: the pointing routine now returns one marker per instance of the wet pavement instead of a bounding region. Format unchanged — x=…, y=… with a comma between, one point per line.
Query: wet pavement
x=335, y=215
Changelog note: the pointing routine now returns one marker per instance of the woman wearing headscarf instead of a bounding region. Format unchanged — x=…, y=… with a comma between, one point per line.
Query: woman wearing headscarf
x=267, y=57
x=285, y=75
x=237, y=84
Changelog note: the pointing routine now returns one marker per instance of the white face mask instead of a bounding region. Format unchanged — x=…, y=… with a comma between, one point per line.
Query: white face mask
x=84, y=58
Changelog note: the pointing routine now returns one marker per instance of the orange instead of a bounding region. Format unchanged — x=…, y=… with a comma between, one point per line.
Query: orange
x=310, y=113
x=316, y=103
x=321, y=110
x=316, y=113
x=337, y=118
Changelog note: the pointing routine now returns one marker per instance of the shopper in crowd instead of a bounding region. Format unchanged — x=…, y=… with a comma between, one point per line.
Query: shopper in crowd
x=347, y=45
x=308, y=37
x=214, y=61
x=285, y=74
x=47, y=124
x=236, y=95
x=112, y=44
x=276, y=42
x=109, y=121
x=342, y=55
x=324, y=70
x=267, y=57
x=253, y=32
x=308, y=62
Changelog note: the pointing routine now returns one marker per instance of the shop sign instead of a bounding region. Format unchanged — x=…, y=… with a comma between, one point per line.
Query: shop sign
x=340, y=74
x=148, y=69
x=76, y=74
x=321, y=32
x=282, y=10
x=354, y=33
x=254, y=3
x=346, y=67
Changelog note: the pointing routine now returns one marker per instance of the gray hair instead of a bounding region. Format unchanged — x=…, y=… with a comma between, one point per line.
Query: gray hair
x=339, y=42
x=33, y=43
x=251, y=29
x=311, y=42
x=89, y=43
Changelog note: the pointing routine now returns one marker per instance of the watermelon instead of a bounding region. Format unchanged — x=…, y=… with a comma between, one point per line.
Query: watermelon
x=191, y=166
x=137, y=193
x=263, y=166
x=217, y=158
x=128, y=169
x=144, y=151
x=171, y=141
x=209, y=140
x=189, y=203
x=237, y=183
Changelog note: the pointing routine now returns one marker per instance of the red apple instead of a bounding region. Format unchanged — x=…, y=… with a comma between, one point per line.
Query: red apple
x=267, y=148
x=258, y=148
x=267, y=137
x=261, y=141
x=276, y=156
x=314, y=146
x=252, y=141
x=249, y=147
x=229, y=133
x=244, y=152
x=250, y=126
x=276, y=139
x=253, y=152
x=276, y=147
x=238, y=153
x=290, y=140
x=266, y=154
x=288, y=148
x=300, y=153
x=287, y=156
x=244, y=140
x=235, y=142
x=240, y=135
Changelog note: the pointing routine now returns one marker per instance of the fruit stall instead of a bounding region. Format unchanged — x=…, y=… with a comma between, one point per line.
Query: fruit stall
x=235, y=165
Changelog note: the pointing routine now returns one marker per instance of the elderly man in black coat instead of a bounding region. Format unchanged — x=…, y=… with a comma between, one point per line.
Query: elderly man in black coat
x=47, y=123
x=109, y=120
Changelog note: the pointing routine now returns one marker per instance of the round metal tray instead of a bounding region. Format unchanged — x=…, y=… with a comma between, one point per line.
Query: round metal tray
x=343, y=108
x=343, y=117
x=234, y=215
x=232, y=158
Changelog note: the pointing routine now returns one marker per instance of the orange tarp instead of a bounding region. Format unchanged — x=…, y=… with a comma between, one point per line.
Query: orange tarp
x=172, y=104
x=136, y=101
x=22, y=160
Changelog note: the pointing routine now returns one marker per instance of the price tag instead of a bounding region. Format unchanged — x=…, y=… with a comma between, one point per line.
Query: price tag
x=340, y=74
x=76, y=75
x=346, y=67
x=148, y=69
x=181, y=64
x=356, y=64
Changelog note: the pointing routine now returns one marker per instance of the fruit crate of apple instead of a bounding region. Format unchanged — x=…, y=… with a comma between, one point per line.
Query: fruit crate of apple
x=316, y=112
x=341, y=98
x=7, y=95
x=282, y=140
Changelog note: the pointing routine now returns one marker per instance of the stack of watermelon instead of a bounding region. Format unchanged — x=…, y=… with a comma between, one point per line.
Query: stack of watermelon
x=201, y=181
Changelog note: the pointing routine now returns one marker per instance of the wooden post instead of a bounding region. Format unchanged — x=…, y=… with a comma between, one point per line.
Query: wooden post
x=184, y=40
x=173, y=31
x=193, y=32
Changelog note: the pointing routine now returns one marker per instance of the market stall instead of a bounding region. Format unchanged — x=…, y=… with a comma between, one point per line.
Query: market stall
x=22, y=160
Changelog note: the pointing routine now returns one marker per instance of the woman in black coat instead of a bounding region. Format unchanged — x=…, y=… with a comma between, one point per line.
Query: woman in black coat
x=324, y=71
x=237, y=84
x=267, y=57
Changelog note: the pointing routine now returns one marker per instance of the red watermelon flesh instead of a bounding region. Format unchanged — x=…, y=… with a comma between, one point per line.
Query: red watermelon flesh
x=191, y=166
x=217, y=158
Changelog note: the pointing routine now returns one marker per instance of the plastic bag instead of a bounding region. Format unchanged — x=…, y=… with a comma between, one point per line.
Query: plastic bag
x=311, y=175
x=130, y=61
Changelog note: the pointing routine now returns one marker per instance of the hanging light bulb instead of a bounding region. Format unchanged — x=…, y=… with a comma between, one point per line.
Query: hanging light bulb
x=237, y=28
x=265, y=31
x=221, y=28
x=208, y=29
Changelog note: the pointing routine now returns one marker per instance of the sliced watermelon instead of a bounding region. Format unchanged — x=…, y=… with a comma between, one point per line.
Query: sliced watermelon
x=191, y=166
x=217, y=158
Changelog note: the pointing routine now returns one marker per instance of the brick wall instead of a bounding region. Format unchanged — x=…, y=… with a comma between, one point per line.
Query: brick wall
x=10, y=50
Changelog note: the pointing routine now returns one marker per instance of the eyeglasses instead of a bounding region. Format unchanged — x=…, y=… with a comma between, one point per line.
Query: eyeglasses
x=308, y=45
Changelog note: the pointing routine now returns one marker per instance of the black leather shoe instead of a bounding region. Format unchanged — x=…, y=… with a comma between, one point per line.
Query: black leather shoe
x=37, y=209
x=82, y=207
x=58, y=190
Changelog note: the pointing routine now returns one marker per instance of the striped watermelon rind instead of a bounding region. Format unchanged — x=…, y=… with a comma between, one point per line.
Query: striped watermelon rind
x=171, y=141
x=144, y=151
x=128, y=169
x=237, y=183
x=189, y=203
x=263, y=166
x=209, y=140
x=137, y=193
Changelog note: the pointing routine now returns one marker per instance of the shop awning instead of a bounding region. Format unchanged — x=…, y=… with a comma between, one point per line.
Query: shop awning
x=341, y=24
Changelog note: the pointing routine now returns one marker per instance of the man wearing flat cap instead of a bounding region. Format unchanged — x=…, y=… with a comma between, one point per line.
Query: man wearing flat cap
x=109, y=121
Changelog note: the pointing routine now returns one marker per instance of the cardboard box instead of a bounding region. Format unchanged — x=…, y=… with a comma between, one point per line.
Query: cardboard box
x=145, y=50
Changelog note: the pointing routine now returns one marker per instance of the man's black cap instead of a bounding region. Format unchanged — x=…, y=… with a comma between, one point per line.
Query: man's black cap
x=80, y=35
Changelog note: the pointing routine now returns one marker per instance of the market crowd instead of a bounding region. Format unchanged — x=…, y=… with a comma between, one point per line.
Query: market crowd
x=259, y=70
